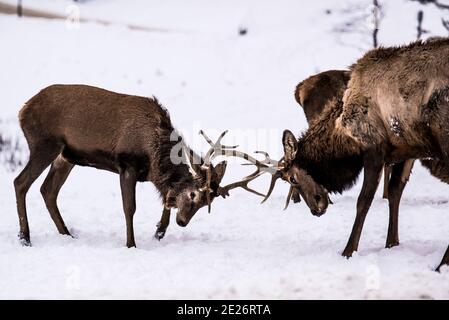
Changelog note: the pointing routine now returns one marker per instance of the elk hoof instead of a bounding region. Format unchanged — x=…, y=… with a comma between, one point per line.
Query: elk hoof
x=24, y=240
x=391, y=244
x=159, y=234
x=441, y=266
x=66, y=232
x=347, y=253
x=131, y=245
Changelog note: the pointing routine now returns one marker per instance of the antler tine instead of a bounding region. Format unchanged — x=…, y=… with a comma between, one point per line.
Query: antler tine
x=266, y=165
x=218, y=143
x=289, y=196
x=222, y=146
x=274, y=178
x=267, y=159
x=217, y=146
x=224, y=191
x=206, y=137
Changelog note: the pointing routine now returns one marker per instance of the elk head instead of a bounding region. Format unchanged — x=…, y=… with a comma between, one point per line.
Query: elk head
x=314, y=194
x=190, y=197
x=197, y=191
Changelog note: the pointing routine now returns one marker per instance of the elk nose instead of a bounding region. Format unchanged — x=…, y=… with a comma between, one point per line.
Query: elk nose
x=317, y=213
x=181, y=222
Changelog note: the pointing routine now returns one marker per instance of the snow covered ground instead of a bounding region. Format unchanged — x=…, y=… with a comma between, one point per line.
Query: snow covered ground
x=209, y=77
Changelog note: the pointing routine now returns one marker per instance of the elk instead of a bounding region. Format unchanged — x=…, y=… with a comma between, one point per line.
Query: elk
x=313, y=94
x=68, y=125
x=316, y=91
x=394, y=110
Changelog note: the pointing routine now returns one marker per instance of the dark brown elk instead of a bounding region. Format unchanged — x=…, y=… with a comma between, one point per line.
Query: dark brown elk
x=394, y=110
x=67, y=125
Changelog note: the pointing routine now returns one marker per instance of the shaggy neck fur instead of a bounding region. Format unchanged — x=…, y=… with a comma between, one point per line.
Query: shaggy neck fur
x=166, y=175
x=170, y=176
x=333, y=159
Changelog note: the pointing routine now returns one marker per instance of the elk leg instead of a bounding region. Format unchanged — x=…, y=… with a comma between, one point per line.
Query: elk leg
x=445, y=260
x=59, y=171
x=387, y=174
x=128, y=180
x=163, y=224
x=399, y=176
x=41, y=155
x=373, y=165
x=395, y=188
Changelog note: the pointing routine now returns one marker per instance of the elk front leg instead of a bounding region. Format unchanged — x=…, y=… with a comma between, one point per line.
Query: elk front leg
x=445, y=260
x=42, y=155
x=128, y=182
x=400, y=174
x=373, y=164
x=163, y=224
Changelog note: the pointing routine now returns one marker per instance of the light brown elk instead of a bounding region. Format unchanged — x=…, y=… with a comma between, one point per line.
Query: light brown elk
x=395, y=108
x=68, y=125
x=315, y=92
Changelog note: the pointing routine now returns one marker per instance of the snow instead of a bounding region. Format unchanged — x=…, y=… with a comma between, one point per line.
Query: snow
x=209, y=78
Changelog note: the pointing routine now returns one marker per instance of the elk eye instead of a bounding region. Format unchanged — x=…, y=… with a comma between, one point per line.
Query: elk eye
x=293, y=180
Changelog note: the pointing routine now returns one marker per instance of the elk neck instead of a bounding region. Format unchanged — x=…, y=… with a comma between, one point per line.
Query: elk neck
x=164, y=173
x=327, y=153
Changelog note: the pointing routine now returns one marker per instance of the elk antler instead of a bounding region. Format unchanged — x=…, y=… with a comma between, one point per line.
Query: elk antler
x=210, y=155
x=217, y=149
x=289, y=196
x=266, y=165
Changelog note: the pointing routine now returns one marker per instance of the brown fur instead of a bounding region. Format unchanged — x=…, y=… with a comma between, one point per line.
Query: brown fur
x=316, y=91
x=67, y=125
x=395, y=108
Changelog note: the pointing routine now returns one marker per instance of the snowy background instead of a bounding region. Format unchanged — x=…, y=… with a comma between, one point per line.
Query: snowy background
x=191, y=55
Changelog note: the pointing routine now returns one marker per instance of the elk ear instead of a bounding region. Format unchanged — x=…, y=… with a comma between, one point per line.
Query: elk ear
x=290, y=145
x=220, y=170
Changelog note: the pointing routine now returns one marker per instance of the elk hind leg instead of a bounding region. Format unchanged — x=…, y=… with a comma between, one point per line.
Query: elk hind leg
x=400, y=174
x=59, y=171
x=41, y=156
